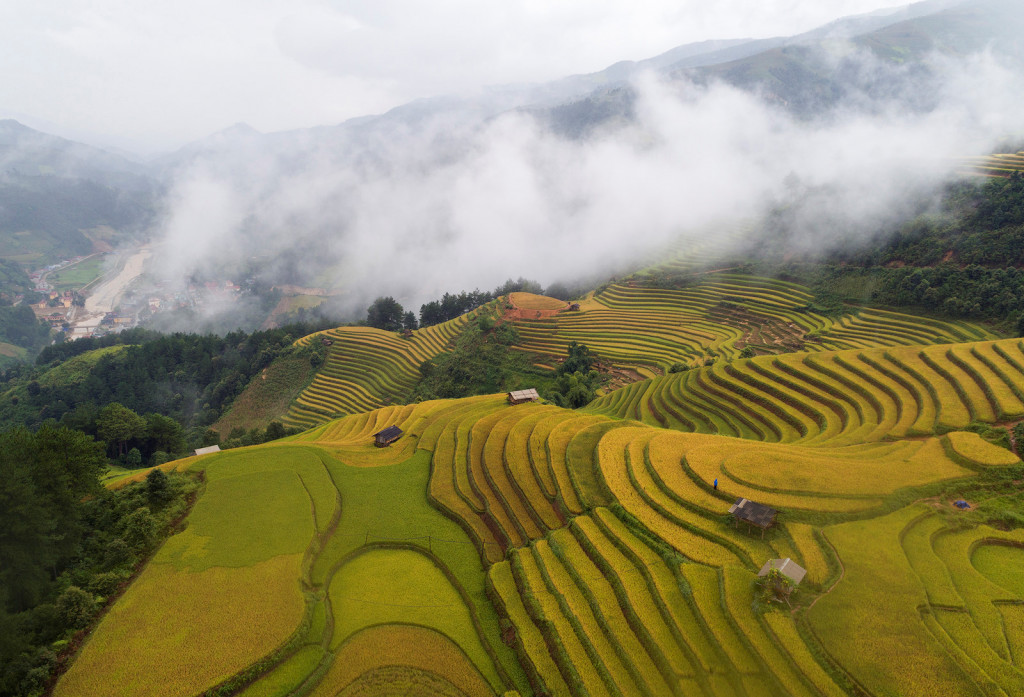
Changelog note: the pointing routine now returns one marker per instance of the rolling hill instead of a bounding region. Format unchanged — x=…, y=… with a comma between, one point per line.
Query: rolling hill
x=636, y=331
x=535, y=550
x=748, y=419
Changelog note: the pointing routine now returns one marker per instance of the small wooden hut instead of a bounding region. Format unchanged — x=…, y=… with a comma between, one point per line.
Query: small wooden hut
x=787, y=567
x=520, y=396
x=780, y=577
x=389, y=435
x=751, y=513
x=574, y=307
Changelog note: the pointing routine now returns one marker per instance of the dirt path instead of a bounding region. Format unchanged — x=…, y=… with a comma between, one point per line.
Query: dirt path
x=106, y=295
x=842, y=573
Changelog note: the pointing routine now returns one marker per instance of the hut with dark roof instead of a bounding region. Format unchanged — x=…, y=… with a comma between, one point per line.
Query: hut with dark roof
x=520, y=396
x=751, y=513
x=389, y=435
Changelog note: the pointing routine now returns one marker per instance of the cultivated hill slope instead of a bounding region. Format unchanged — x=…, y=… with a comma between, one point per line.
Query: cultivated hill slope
x=636, y=326
x=529, y=548
x=635, y=330
x=367, y=368
x=836, y=397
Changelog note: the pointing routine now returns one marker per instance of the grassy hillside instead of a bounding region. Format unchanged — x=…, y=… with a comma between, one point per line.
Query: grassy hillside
x=269, y=396
x=531, y=549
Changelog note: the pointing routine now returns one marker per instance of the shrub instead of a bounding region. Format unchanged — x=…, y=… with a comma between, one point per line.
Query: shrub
x=75, y=607
x=107, y=583
x=134, y=459
x=139, y=529
x=275, y=430
x=45, y=622
x=118, y=553
x=157, y=489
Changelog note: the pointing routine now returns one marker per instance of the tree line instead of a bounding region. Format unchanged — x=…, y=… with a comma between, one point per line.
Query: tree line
x=966, y=260
x=67, y=545
x=191, y=378
x=387, y=313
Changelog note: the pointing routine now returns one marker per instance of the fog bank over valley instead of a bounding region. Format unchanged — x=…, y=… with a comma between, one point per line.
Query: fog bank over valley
x=416, y=204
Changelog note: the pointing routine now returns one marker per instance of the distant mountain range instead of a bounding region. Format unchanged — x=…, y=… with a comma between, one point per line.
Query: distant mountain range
x=59, y=198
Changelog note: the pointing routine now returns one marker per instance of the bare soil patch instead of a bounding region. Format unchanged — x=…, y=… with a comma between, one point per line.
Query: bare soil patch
x=760, y=330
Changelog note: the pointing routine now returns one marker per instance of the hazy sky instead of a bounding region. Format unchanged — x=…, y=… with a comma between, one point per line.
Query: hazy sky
x=150, y=76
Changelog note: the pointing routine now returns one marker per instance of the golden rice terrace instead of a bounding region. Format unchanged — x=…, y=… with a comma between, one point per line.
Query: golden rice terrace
x=526, y=549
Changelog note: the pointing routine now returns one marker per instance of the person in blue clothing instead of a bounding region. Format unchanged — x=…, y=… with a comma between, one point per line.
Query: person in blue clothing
x=716, y=483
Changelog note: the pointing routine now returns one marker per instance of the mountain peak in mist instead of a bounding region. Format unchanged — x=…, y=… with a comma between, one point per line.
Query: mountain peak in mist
x=237, y=130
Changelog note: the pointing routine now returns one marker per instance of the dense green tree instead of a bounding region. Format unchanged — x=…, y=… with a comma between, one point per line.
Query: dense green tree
x=188, y=377
x=385, y=313
x=579, y=360
x=139, y=530
x=117, y=424
x=157, y=488
x=481, y=362
x=523, y=285
x=19, y=326
x=574, y=390
x=164, y=433
x=409, y=320
x=576, y=385
x=51, y=582
x=452, y=305
x=76, y=607
x=43, y=479
x=275, y=430
x=26, y=549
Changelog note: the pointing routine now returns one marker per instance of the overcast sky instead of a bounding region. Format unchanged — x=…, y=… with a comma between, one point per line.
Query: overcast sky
x=151, y=76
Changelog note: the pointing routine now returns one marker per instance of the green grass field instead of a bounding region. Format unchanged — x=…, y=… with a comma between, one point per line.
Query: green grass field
x=78, y=275
x=268, y=397
x=76, y=369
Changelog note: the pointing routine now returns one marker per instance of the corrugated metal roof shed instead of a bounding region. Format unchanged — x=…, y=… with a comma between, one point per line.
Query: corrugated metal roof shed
x=518, y=396
x=754, y=513
x=787, y=567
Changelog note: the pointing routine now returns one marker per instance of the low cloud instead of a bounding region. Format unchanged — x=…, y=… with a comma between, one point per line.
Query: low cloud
x=439, y=202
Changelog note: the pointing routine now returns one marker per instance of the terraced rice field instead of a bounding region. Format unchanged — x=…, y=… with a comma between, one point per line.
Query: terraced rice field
x=533, y=550
x=836, y=398
x=366, y=368
x=290, y=542
x=997, y=165
x=650, y=329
